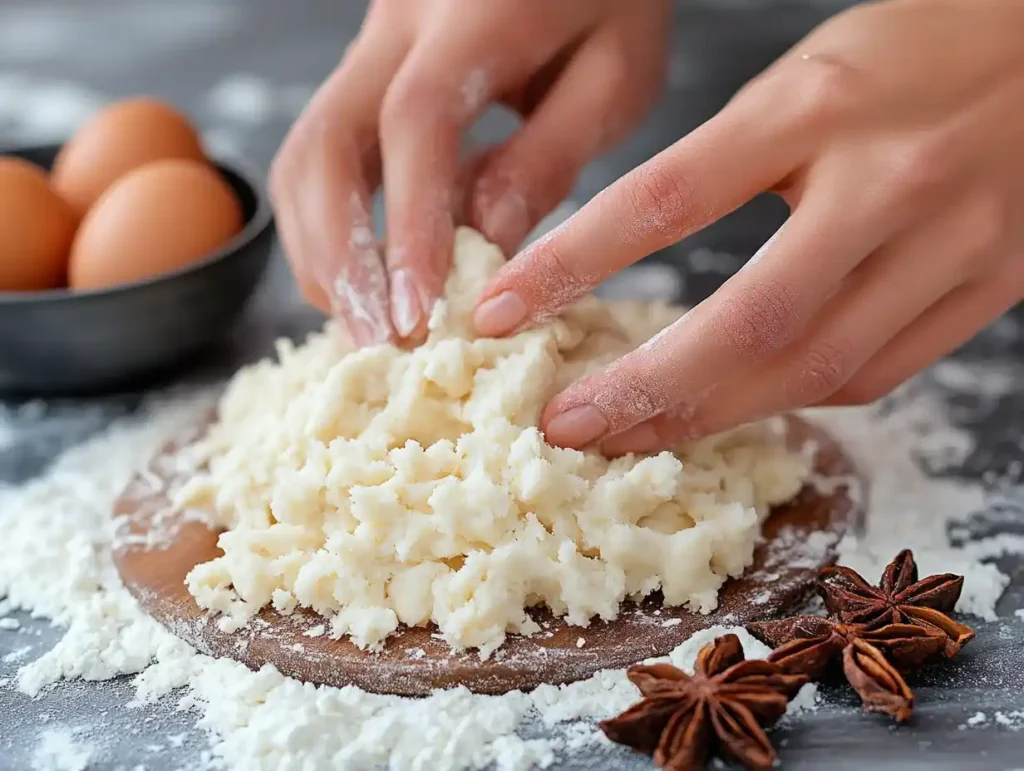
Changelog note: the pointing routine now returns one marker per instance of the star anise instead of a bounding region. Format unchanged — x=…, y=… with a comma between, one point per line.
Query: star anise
x=900, y=598
x=722, y=707
x=870, y=659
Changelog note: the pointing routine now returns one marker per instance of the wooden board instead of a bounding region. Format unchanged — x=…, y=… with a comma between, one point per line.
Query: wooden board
x=156, y=547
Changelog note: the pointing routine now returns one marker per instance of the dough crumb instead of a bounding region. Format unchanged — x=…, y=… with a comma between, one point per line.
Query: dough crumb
x=382, y=486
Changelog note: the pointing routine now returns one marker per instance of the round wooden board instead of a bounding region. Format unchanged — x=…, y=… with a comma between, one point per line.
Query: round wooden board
x=156, y=547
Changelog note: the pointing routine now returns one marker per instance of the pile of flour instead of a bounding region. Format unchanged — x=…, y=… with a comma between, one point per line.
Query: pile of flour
x=386, y=486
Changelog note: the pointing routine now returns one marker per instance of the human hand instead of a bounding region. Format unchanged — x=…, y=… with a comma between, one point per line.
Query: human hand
x=581, y=72
x=894, y=133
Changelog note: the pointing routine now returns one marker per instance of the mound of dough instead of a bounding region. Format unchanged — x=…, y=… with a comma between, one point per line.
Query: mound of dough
x=384, y=486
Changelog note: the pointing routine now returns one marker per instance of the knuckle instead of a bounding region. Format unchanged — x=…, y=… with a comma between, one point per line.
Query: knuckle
x=760, y=318
x=637, y=396
x=397, y=107
x=824, y=88
x=562, y=284
x=659, y=197
x=923, y=169
x=410, y=102
x=682, y=422
x=825, y=368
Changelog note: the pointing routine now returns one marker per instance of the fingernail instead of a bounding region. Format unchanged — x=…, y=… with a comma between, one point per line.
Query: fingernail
x=638, y=439
x=405, y=305
x=577, y=427
x=499, y=315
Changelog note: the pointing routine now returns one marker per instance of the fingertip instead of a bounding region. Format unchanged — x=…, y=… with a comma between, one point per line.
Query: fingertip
x=500, y=315
x=576, y=427
x=406, y=309
x=641, y=439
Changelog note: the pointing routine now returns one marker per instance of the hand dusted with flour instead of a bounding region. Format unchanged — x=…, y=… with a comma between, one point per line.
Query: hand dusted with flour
x=386, y=486
x=394, y=113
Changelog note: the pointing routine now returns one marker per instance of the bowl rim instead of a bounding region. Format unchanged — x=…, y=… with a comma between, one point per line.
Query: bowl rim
x=260, y=221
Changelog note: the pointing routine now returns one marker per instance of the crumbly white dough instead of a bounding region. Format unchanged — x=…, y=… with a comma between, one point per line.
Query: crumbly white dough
x=387, y=486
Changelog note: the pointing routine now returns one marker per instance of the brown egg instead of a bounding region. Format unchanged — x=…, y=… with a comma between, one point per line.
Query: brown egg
x=36, y=229
x=120, y=138
x=156, y=219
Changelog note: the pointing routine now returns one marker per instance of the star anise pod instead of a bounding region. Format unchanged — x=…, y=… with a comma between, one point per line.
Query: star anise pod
x=722, y=707
x=870, y=659
x=900, y=598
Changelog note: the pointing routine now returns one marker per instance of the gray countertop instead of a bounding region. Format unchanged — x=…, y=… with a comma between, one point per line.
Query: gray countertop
x=243, y=68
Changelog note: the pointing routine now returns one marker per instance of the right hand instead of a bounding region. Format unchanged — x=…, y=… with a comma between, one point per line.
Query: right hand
x=581, y=72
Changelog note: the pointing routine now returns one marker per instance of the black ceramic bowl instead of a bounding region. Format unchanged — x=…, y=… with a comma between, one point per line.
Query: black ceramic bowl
x=60, y=342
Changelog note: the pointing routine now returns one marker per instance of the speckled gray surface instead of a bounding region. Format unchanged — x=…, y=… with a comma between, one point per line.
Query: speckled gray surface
x=58, y=59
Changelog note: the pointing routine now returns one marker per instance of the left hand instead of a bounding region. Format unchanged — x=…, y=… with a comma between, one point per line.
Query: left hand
x=895, y=132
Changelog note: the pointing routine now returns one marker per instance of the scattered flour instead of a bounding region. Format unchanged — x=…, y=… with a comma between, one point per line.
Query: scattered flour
x=906, y=506
x=58, y=749
x=1008, y=721
x=17, y=655
x=57, y=534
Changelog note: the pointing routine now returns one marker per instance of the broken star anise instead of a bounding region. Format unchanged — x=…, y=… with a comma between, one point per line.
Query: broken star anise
x=723, y=706
x=870, y=659
x=900, y=598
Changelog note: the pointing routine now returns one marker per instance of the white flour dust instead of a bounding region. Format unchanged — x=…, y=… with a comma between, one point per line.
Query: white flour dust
x=57, y=534
x=1010, y=721
x=59, y=749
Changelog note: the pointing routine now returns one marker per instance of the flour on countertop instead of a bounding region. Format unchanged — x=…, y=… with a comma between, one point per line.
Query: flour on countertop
x=60, y=749
x=57, y=533
x=1009, y=721
x=909, y=508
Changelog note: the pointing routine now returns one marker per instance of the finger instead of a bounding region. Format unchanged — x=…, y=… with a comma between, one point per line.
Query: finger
x=321, y=184
x=892, y=289
x=440, y=88
x=595, y=98
x=704, y=176
x=944, y=328
x=754, y=314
